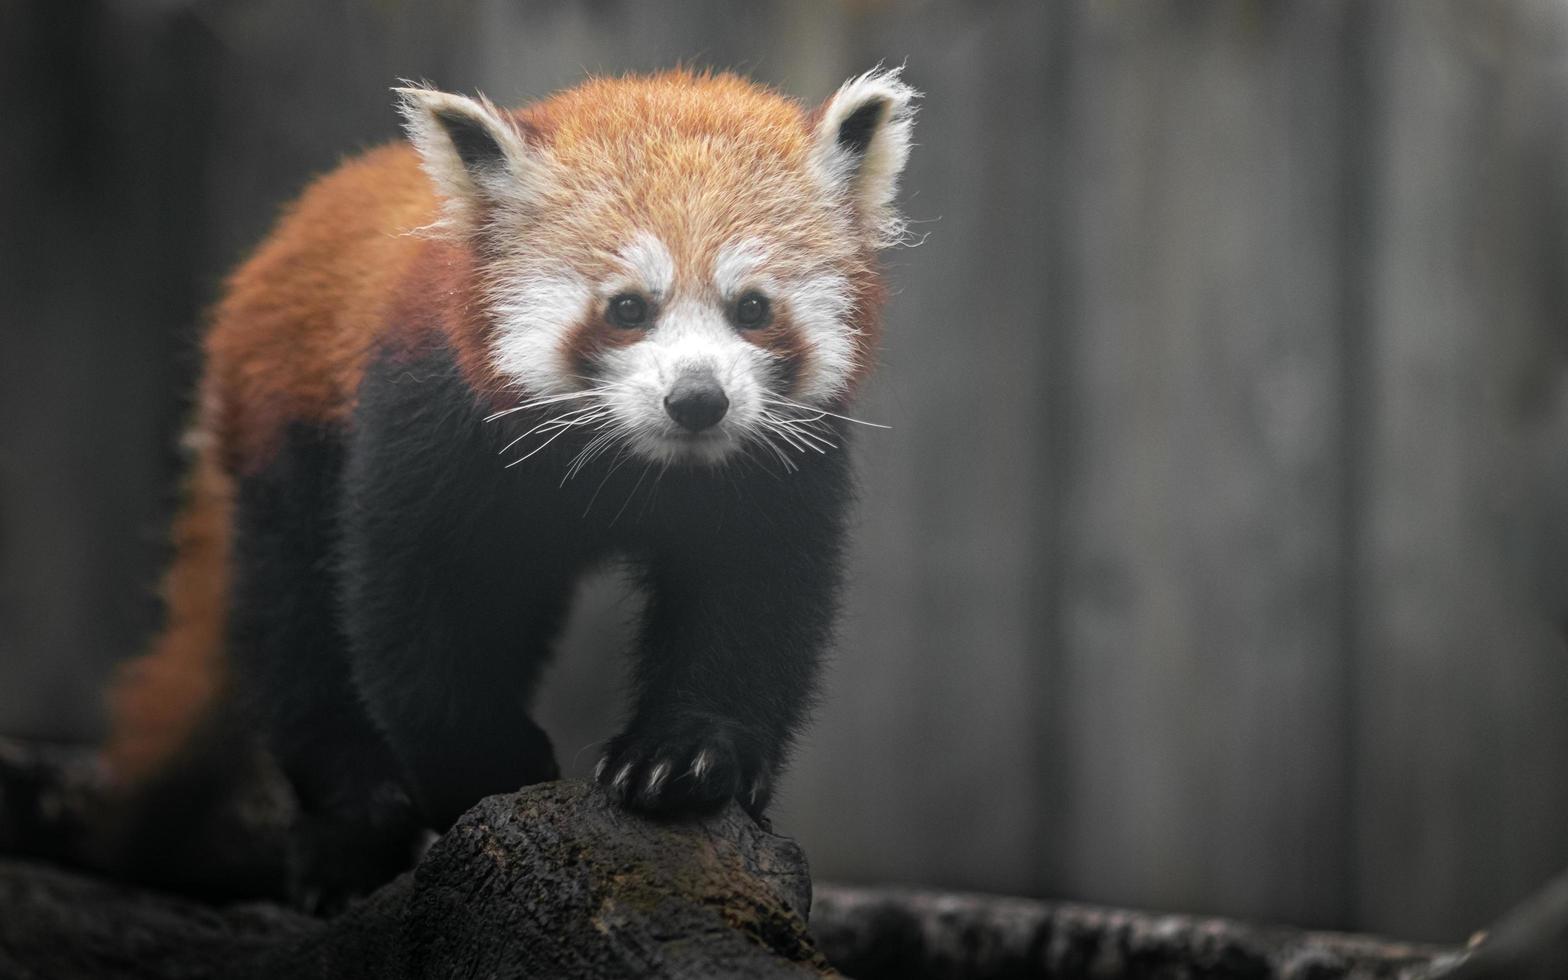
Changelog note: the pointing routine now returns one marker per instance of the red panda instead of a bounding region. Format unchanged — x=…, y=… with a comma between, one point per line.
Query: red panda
x=620, y=324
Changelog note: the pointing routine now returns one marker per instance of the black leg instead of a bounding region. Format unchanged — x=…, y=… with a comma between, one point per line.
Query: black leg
x=742, y=590
x=291, y=674
x=448, y=678
x=456, y=578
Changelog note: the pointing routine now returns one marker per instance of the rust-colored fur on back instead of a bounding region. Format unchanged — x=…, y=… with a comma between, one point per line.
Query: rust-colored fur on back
x=287, y=343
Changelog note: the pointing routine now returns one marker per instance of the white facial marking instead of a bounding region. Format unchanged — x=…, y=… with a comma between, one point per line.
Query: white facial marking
x=535, y=313
x=820, y=306
x=537, y=309
x=690, y=337
x=649, y=264
x=735, y=265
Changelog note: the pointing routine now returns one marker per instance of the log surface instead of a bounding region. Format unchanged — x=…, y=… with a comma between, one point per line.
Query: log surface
x=553, y=881
x=914, y=934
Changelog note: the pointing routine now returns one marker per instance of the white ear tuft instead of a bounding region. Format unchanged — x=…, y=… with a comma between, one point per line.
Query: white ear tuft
x=473, y=153
x=860, y=146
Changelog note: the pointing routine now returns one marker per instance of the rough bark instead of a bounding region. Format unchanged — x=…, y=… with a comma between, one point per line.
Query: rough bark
x=876, y=933
x=554, y=881
x=494, y=899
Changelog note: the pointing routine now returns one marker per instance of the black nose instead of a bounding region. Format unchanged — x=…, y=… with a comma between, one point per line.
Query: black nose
x=696, y=402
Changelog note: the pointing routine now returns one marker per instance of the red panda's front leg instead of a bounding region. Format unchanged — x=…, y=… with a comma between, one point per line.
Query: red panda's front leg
x=455, y=580
x=741, y=600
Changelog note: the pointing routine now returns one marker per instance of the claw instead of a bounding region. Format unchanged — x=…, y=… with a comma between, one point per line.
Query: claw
x=657, y=776
x=700, y=765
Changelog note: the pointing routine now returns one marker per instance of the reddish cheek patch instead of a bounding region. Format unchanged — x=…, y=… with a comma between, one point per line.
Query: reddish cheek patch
x=591, y=339
x=788, y=345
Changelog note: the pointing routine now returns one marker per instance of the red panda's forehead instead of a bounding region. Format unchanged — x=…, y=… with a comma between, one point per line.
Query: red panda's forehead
x=699, y=162
x=649, y=110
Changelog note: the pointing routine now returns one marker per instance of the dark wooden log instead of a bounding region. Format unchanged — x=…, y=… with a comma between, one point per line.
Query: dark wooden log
x=553, y=881
x=911, y=934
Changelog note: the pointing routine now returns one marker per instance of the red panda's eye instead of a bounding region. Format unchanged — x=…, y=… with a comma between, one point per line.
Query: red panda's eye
x=751, y=310
x=628, y=310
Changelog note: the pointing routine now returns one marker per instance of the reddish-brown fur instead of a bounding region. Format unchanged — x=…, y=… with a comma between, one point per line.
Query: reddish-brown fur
x=354, y=260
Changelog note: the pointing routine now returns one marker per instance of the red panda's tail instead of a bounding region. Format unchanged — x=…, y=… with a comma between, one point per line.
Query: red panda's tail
x=160, y=699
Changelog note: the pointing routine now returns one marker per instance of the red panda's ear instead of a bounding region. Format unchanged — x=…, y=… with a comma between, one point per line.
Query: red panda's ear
x=861, y=142
x=472, y=151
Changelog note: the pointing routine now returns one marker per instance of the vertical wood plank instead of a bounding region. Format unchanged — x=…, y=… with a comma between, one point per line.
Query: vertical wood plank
x=1200, y=605
x=95, y=185
x=1463, y=683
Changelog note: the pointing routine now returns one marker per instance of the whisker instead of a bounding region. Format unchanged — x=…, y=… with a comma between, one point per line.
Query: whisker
x=539, y=402
x=581, y=458
x=752, y=460
x=595, y=448
x=653, y=491
x=614, y=436
x=771, y=424
x=762, y=439
x=788, y=436
x=799, y=437
x=822, y=412
x=632, y=493
x=600, y=383
x=561, y=429
x=575, y=416
x=619, y=461
x=536, y=450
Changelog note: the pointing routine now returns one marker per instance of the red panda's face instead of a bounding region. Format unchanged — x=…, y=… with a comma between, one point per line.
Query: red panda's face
x=681, y=263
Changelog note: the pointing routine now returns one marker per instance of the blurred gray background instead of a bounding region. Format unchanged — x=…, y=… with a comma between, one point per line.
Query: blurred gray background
x=1217, y=559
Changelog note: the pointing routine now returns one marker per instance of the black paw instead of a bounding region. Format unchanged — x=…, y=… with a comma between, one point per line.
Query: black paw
x=682, y=769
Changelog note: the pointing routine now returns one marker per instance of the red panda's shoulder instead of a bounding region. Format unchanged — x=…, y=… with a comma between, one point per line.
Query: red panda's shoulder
x=347, y=266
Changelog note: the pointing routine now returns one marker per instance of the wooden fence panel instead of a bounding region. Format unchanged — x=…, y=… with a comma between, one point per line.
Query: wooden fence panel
x=1461, y=682
x=1200, y=615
